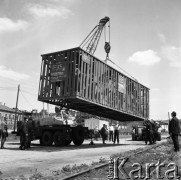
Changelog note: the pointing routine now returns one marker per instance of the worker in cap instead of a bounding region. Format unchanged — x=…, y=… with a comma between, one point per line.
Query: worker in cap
x=174, y=131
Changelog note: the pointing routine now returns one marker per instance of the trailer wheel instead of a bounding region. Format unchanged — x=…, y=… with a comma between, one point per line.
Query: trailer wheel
x=78, y=135
x=41, y=143
x=47, y=138
x=158, y=137
x=21, y=138
x=133, y=137
x=67, y=142
x=58, y=138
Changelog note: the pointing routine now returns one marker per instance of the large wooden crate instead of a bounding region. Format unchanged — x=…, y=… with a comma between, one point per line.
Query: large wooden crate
x=78, y=80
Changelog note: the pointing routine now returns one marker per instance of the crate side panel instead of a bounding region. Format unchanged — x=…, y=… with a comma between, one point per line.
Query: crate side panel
x=84, y=76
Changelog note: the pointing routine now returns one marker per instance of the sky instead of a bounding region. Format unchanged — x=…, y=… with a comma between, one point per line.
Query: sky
x=145, y=38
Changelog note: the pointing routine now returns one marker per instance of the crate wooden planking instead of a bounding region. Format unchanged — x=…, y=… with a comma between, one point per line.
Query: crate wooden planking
x=77, y=79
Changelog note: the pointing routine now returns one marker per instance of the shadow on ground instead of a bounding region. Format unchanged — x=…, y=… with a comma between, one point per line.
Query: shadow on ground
x=53, y=148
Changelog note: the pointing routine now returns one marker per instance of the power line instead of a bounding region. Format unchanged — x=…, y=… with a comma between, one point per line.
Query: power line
x=29, y=93
x=25, y=98
x=15, y=88
x=7, y=87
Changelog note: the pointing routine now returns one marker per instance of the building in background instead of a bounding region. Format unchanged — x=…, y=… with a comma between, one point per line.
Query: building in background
x=91, y=123
x=163, y=125
x=9, y=114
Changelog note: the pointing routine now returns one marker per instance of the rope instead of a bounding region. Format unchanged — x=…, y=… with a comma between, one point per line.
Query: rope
x=123, y=70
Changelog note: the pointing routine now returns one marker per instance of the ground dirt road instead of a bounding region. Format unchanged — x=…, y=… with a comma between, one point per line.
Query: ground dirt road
x=15, y=162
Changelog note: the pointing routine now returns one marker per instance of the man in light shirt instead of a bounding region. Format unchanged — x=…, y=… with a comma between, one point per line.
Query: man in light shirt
x=111, y=129
x=116, y=133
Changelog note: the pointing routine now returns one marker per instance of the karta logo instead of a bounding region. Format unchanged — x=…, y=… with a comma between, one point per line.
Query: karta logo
x=138, y=171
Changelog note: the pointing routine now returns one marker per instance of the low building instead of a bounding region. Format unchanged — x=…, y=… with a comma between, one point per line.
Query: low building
x=9, y=114
x=163, y=126
x=126, y=127
x=91, y=123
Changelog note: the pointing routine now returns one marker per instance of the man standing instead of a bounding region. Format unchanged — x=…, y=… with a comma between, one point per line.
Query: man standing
x=116, y=133
x=150, y=132
x=146, y=130
x=103, y=133
x=24, y=135
x=153, y=131
x=96, y=133
x=174, y=130
x=111, y=129
x=30, y=132
x=3, y=132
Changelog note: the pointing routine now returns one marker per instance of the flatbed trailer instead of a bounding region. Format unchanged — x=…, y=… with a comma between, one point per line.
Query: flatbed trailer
x=59, y=135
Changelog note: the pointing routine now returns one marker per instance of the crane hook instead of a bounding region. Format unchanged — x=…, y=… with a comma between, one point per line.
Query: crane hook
x=107, y=48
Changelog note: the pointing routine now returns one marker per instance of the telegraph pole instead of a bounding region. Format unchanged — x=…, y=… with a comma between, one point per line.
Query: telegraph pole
x=16, y=108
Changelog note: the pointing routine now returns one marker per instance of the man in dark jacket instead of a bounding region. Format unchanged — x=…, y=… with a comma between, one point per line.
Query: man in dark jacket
x=153, y=131
x=148, y=132
x=116, y=132
x=174, y=130
x=103, y=133
x=24, y=135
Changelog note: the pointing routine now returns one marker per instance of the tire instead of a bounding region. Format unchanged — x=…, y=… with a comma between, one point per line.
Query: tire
x=21, y=137
x=158, y=137
x=41, y=143
x=47, y=138
x=67, y=142
x=78, y=134
x=29, y=144
x=133, y=137
x=58, y=138
x=139, y=138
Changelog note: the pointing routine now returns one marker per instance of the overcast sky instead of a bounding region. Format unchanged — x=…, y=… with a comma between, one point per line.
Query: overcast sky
x=145, y=42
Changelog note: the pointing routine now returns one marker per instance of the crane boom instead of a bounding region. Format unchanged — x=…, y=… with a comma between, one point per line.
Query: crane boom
x=92, y=40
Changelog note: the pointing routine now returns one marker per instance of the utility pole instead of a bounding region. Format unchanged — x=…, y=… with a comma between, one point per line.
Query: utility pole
x=16, y=108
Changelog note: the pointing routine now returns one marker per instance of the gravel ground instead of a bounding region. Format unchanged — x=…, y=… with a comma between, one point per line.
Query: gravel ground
x=59, y=162
x=156, y=154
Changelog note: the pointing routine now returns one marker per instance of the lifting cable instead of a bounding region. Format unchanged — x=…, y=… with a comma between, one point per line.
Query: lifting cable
x=123, y=70
x=108, y=50
x=107, y=46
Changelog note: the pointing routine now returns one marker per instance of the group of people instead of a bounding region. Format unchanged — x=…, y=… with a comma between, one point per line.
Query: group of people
x=112, y=134
x=151, y=131
x=25, y=134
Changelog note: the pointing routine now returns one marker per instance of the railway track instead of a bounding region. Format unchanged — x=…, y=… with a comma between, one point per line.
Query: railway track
x=77, y=175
